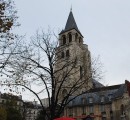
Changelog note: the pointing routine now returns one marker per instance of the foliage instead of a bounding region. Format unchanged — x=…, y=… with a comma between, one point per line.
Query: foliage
x=8, y=112
x=3, y=114
x=7, y=18
x=9, y=41
x=41, y=115
x=13, y=111
x=13, y=114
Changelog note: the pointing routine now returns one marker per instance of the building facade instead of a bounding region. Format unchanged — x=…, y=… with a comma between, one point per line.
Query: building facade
x=105, y=103
x=98, y=101
x=31, y=110
x=28, y=110
x=9, y=100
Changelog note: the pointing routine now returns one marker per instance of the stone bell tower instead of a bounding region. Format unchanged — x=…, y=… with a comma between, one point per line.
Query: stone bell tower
x=71, y=48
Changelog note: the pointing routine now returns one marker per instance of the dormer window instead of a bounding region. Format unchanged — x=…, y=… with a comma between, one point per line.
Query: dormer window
x=90, y=100
x=70, y=37
x=102, y=98
x=64, y=39
x=110, y=97
x=83, y=101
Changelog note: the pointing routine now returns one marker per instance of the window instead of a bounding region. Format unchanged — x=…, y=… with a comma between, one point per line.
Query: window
x=80, y=40
x=29, y=111
x=18, y=103
x=83, y=110
x=62, y=55
x=110, y=97
x=91, y=109
x=81, y=72
x=64, y=93
x=103, y=115
x=122, y=109
x=111, y=115
x=64, y=39
x=75, y=111
x=102, y=108
x=70, y=37
x=90, y=100
x=73, y=102
x=70, y=112
x=83, y=106
x=103, y=118
x=67, y=53
x=76, y=37
x=83, y=101
x=3, y=101
x=102, y=98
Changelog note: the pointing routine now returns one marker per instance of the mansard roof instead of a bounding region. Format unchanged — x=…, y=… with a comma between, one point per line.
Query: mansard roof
x=97, y=84
x=70, y=24
x=115, y=91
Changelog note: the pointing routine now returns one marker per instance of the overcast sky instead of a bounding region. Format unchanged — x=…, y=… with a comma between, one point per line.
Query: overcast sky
x=105, y=25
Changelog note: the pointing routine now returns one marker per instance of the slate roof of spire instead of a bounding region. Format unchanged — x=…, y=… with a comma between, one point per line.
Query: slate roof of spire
x=70, y=24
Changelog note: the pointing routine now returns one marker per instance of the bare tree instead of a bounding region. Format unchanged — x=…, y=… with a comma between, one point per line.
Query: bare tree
x=39, y=65
x=22, y=66
x=97, y=68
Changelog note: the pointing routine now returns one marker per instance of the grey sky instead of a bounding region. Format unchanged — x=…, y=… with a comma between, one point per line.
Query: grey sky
x=105, y=25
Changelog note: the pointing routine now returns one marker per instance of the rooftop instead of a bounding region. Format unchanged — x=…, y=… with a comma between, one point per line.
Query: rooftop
x=70, y=24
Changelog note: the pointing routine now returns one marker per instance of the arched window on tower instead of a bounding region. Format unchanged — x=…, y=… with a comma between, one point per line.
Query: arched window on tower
x=76, y=37
x=64, y=93
x=62, y=55
x=80, y=40
x=81, y=72
x=64, y=39
x=67, y=53
x=70, y=37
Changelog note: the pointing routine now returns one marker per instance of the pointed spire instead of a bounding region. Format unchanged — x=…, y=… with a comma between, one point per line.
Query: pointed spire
x=71, y=24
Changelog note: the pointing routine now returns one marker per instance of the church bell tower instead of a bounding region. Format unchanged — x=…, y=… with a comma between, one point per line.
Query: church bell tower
x=71, y=48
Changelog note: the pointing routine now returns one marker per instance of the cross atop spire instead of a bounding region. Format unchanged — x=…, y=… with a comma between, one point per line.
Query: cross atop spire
x=71, y=9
